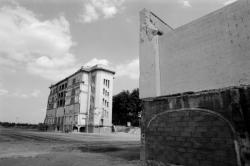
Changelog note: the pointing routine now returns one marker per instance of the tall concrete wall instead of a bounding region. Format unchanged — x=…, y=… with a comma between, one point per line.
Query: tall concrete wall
x=208, y=53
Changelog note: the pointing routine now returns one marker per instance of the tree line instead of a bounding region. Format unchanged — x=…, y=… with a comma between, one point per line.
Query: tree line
x=127, y=108
x=39, y=126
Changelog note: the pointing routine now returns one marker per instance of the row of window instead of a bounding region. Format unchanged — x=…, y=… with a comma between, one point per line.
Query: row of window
x=105, y=92
x=59, y=120
x=60, y=103
x=106, y=82
x=50, y=106
x=105, y=102
x=59, y=88
x=63, y=86
x=61, y=95
x=106, y=113
x=50, y=120
x=70, y=119
x=53, y=91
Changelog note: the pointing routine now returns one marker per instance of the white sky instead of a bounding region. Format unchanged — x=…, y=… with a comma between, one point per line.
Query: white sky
x=42, y=41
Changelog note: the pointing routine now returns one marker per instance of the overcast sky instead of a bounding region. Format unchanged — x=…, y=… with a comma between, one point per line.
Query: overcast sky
x=42, y=41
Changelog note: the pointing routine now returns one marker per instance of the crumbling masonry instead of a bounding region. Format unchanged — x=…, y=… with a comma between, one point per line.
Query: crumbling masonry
x=194, y=82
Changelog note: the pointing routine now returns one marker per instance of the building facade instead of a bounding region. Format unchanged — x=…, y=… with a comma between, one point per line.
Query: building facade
x=82, y=101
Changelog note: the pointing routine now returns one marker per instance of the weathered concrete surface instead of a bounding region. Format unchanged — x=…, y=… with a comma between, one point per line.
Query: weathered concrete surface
x=205, y=128
x=209, y=53
x=149, y=52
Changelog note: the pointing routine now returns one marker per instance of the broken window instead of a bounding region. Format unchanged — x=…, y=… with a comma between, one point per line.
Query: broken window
x=73, y=92
x=72, y=100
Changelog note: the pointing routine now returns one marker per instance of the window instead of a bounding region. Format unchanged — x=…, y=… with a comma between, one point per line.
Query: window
x=106, y=82
x=92, y=98
x=73, y=92
x=93, y=78
x=72, y=100
x=60, y=95
x=106, y=103
x=50, y=106
x=74, y=81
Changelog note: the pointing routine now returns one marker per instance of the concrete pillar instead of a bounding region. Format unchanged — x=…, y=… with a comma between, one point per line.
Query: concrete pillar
x=151, y=28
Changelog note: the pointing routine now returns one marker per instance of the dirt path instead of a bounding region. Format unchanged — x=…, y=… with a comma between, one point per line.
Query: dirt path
x=30, y=148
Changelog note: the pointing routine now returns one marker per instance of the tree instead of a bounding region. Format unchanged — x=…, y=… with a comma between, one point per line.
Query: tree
x=126, y=108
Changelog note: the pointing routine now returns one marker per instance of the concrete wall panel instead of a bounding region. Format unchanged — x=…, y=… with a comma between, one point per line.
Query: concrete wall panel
x=208, y=53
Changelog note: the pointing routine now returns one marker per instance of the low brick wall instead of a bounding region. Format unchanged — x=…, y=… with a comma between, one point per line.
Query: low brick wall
x=197, y=129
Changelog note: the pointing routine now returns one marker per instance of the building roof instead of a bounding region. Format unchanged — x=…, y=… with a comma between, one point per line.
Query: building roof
x=87, y=69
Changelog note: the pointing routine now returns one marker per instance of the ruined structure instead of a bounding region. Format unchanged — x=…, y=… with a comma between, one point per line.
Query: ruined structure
x=194, y=82
x=82, y=101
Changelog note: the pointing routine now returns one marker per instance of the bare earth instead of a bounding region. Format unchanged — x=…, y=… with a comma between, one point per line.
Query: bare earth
x=20, y=147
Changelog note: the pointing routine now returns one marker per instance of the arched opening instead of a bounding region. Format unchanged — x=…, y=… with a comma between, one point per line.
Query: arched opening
x=75, y=129
x=190, y=132
x=82, y=129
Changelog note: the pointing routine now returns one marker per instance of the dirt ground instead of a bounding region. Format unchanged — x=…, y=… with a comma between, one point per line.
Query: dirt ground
x=19, y=147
